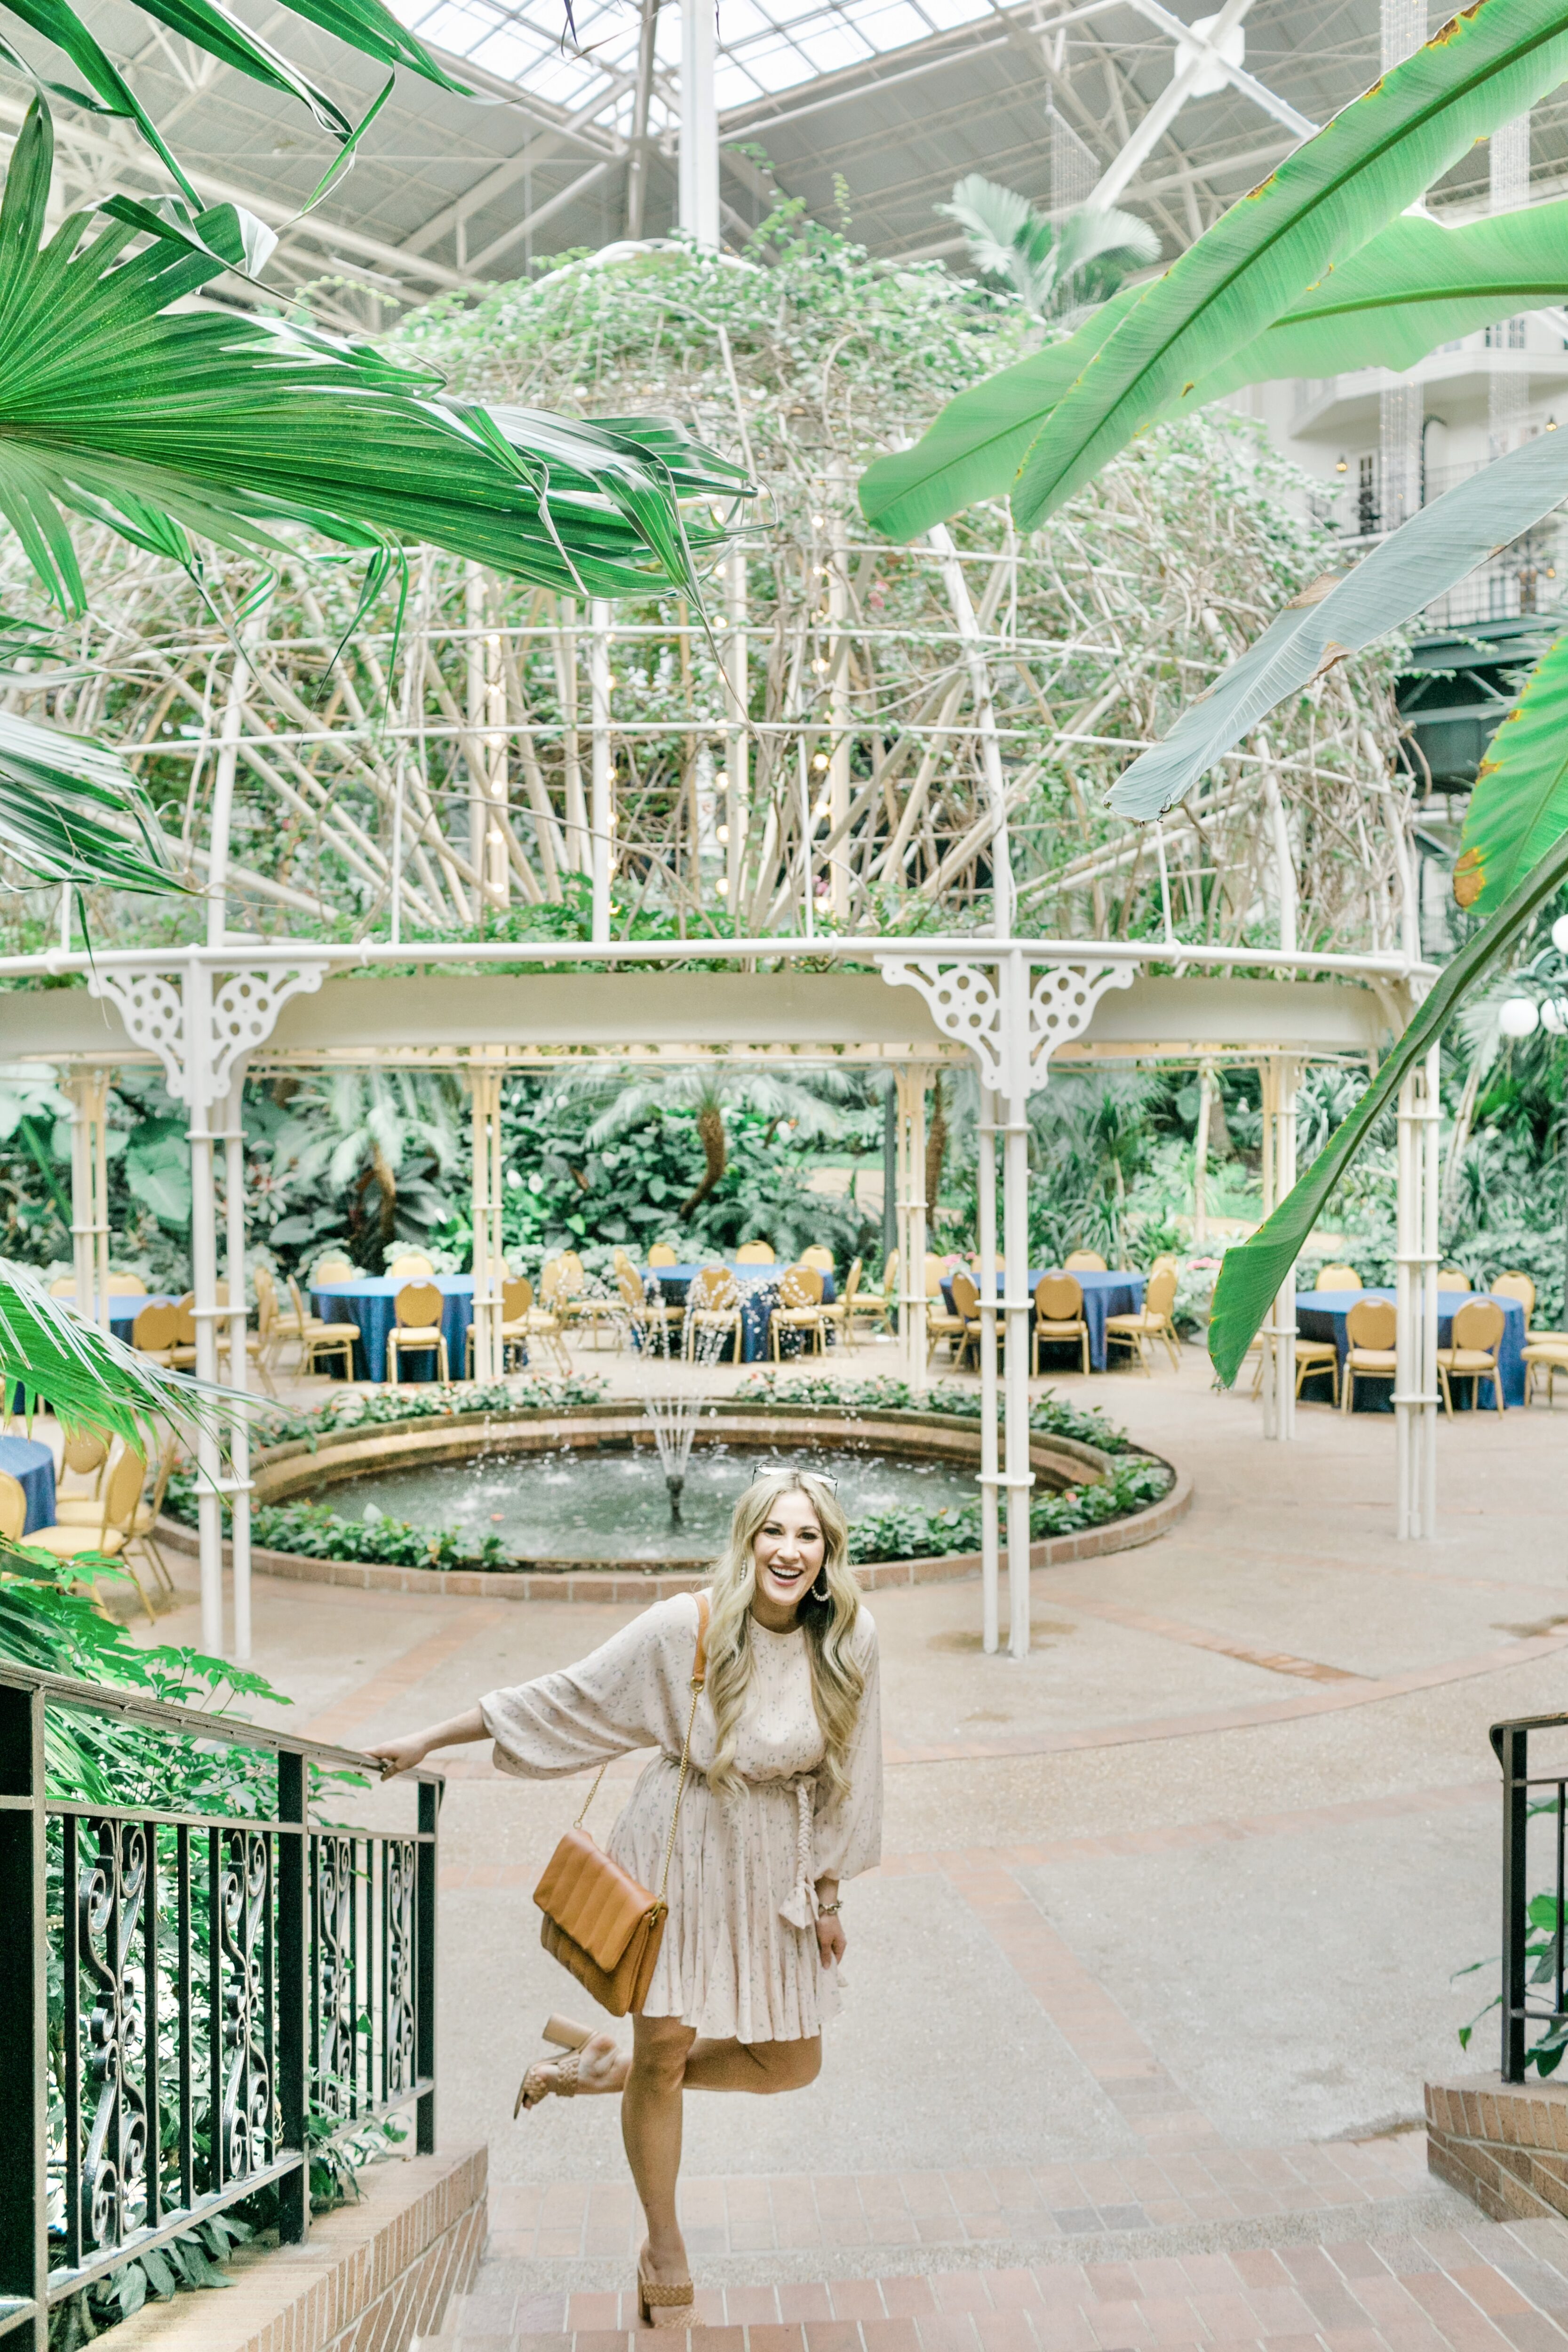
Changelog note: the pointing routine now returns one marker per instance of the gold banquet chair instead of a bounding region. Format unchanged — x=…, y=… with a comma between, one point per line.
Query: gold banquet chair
x=799, y=1307
x=1084, y=1262
x=1475, y=1335
x=839, y=1316
x=1151, y=1321
x=115, y=1527
x=13, y=1508
x=1337, y=1277
x=712, y=1310
x=408, y=1265
x=318, y=1337
x=1371, y=1329
x=1059, y=1315
x=755, y=1253
x=416, y=1329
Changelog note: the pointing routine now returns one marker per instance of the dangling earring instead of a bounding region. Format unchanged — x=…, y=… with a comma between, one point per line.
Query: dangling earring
x=826, y=1592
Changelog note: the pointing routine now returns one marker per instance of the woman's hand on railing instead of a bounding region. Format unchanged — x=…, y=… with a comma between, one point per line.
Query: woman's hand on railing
x=406, y=1755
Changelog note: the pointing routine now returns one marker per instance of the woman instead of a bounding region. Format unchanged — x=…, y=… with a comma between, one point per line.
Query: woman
x=784, y=1800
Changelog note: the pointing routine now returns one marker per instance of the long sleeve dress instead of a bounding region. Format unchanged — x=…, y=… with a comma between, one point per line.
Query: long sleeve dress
x=739, y=1956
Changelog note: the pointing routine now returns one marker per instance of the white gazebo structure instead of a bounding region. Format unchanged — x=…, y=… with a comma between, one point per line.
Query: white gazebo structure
x=207, y=1013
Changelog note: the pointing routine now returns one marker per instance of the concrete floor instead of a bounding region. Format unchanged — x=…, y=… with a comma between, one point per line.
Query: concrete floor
x=1221, y=1842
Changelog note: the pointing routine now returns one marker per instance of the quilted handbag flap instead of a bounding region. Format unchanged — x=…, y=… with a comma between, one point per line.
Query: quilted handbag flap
x=599, y=1905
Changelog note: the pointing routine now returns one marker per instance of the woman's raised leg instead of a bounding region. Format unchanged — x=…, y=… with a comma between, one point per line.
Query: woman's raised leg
x=650, y=2126
x=760, y=2067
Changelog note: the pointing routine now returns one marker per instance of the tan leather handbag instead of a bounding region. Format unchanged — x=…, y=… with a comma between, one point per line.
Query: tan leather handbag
x=598, y=1922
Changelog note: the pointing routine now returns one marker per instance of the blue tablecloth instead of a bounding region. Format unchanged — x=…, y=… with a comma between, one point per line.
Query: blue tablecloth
x=1321, y=1314
x=1116, y=1293
x=370, y=1302
x=758, y=1297
x=122, y=1312
x=32, y=1465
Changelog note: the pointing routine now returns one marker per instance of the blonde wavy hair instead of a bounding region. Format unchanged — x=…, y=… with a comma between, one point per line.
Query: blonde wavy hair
x=837, y=1681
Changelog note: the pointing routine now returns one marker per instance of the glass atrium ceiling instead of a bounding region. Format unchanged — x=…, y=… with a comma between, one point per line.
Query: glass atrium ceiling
x=761, y=49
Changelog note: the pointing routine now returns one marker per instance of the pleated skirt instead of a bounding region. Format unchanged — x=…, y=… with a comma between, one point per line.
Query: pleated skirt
x=730, y=1965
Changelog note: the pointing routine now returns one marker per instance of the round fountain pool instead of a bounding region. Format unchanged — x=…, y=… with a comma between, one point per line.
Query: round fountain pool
x=570, y=1504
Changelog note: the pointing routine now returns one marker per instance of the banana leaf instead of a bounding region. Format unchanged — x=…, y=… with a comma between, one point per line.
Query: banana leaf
x=166, y=422
x=974, y=448
x=1338, y=615
x=1324, y=203
x=71, y=812
x=1414, y=285
x=1520, y=805
x=89, y=1378
x=1250, y=1274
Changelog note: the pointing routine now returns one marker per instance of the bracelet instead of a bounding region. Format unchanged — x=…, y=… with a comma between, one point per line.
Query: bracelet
x=828, y=1910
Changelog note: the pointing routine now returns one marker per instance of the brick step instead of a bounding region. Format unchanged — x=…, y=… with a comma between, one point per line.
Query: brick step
x=1481, y=2287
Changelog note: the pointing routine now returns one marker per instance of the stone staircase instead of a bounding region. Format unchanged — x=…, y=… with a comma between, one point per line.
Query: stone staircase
x=1414, y=2269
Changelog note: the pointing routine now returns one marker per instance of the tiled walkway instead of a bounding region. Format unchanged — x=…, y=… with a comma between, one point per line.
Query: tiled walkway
x=1163, y=1946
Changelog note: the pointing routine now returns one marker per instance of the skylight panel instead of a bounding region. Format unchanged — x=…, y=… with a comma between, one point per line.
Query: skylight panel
x=451, y=26
x=945, y=14
x=890, y=27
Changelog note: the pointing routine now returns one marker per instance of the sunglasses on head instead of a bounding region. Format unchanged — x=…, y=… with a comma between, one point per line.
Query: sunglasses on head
x=771, y=1470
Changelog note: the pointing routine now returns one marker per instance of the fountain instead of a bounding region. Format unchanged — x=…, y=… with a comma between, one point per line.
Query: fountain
x=674, y=1412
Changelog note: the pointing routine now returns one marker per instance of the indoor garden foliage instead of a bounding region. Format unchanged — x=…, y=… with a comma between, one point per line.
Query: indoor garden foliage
x=834, y=762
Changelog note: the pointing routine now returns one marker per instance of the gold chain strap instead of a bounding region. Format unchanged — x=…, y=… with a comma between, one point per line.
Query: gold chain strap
x=697, y=1683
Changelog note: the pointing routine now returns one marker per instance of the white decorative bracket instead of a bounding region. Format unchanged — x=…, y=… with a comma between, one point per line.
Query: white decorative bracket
x=1061, y=1006
x=154, y=1006
x=967, y=1002
x=963, y=1003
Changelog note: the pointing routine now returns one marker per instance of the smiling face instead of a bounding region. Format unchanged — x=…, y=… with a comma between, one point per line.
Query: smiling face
x=788, y=1551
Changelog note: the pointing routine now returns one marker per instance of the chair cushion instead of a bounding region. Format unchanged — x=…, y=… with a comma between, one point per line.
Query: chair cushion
x=1373, y=1359
x=1465, y=1359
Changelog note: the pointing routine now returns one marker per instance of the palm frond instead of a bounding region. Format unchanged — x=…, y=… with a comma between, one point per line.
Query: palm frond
x=71, y=812
x=89, y=1378
x=165, y=423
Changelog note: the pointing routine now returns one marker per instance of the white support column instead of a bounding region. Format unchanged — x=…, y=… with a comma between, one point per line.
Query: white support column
x=1013, y=975
x=1416, y=1342
x=1281, y=1078
x=238, y=1483
x=698, y=157
x=198, y=1024
x=989, y=1461
x=914, y=1270
x=601, y=814
x=479, y=761
x=737, y=749
x=901, y=1208
x=82, y=1087
x=839, y=712
x=484, y=1082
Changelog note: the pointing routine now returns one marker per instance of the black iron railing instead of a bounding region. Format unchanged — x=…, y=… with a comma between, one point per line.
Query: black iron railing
x=1534, y=2012
x=197, y=1996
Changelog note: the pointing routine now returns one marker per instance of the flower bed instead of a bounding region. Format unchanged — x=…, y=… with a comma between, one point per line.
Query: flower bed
x=1048, y=1416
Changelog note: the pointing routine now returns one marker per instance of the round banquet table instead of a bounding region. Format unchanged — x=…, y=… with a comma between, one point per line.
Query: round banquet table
x=758, y=1287
x=32, y=1465
x=1322, y=1313
x=1119, y=1292
x=371, y=1301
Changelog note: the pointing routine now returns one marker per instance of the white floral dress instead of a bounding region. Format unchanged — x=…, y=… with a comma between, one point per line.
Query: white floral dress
x=739, y=1956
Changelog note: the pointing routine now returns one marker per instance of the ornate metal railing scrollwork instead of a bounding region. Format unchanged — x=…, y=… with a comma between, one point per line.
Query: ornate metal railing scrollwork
x=193, y=1998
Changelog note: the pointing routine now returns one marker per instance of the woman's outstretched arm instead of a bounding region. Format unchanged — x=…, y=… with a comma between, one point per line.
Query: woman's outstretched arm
x=404, y=1755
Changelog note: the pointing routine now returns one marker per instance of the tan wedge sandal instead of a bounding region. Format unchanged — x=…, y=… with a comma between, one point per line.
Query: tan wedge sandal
x=663, y=2304
x=554, y=2078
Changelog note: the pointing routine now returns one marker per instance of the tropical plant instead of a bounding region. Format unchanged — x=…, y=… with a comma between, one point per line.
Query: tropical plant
x=171, y=425
x=381, y=1137
x=1054, y=269
x=709, y=1091
x=1155, y=349
x=1158, y=349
